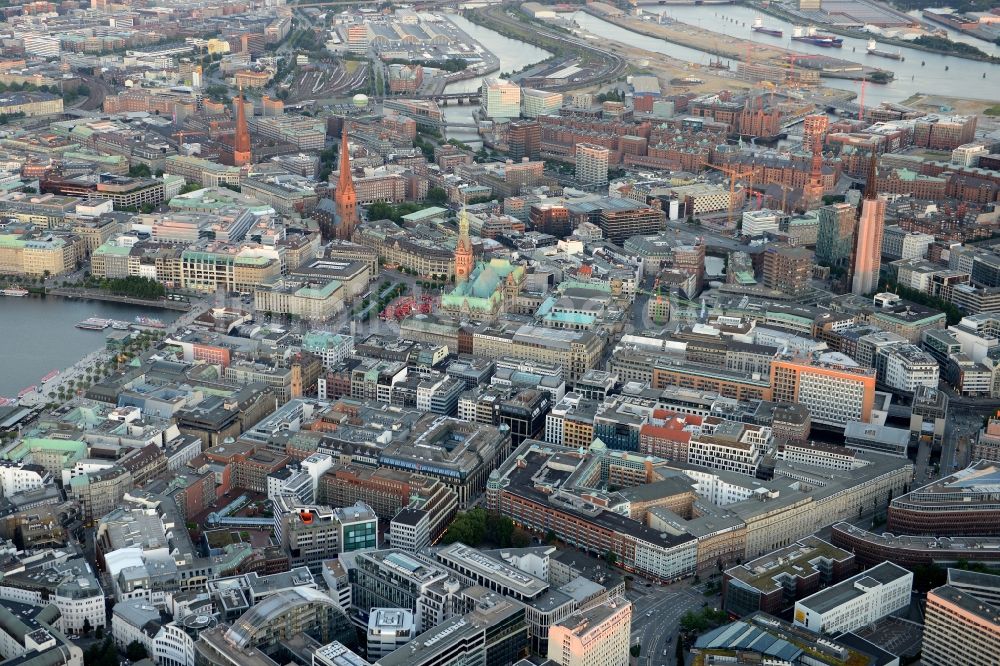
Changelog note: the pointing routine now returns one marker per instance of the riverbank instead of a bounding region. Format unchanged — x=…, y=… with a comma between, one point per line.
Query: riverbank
x=858, y=34
x=735, y=48
x=606, y=66
x=97, y=295
x=933, y=103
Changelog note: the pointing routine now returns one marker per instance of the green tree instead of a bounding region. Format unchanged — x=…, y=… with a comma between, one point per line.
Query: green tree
x=635, y=650
x=437, y=196
x=611, y=557
x=136, y=651
x=139, y=171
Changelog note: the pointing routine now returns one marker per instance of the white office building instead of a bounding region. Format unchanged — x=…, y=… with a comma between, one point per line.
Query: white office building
x=592, y=164
x=898, y=243
x=540, y=102
x=968, y=154
x=598, y=636
x=857, y=601
x=907, y=367
x=410, y=529
x=22, y=477
x=500, y=98
x=388, y=630
x=763, y=221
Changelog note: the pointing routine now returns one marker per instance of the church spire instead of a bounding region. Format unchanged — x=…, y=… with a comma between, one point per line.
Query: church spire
x=345, y=198
x=241, y=140
x=463, y=248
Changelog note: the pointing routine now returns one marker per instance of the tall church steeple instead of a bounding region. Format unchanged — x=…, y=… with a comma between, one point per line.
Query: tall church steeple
x=345, y=198
x=241, y=140
x=463, y=249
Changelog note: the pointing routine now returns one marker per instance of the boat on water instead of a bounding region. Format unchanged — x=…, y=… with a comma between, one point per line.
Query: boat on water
x=149, y=322
x=49, y=376
x=873, y=49
x=14, y=291
x=758, y=26
x=94, y=324
x=25, y=391
x=810, y=36
x=120, y=325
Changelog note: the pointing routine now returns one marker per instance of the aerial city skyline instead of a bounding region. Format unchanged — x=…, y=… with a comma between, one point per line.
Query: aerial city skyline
x=452, y=332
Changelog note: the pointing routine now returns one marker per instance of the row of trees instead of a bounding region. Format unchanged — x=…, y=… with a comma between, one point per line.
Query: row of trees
x=449, y=65
x=101, y=370
x=951, y=311
x=477, y=527
x=135, y=287
x=106, y=654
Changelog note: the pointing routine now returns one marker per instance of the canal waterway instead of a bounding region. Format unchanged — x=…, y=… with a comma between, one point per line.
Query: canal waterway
x=514, y=56
x=38, y=335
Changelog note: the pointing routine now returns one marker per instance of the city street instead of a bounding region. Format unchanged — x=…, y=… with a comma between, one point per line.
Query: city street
x=960, y=432
x=656, y=615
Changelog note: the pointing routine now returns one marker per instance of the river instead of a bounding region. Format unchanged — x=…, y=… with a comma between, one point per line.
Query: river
x=514, y=56
x=40, y=335
x=963, y=78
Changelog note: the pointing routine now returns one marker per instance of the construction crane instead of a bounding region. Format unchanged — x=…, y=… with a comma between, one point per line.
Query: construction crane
x=181, y=136
x=785, y=189
x=735, y=173
x=793, y=76
x=769, y=86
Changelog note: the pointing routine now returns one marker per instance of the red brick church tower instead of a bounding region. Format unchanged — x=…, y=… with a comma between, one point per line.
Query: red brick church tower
x=241, y=140
x=345, y=198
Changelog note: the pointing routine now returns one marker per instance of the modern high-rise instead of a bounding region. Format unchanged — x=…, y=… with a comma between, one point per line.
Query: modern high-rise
x=345, y=198
x=788, y=269
x=592, y=164
x=393, y=578
x=493, y=633
x=961, y=626
x=541, y=102
x=598, y=636
x=501, y=99
x=312, y=533
x=834, y=392
x=867, y=259
x=550, y=218
x=835, y=234
x=524, y=139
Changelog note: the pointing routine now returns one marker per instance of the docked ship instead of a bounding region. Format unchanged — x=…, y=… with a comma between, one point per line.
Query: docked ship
x=758, y=26
x=874, y=50
x=14, y=291
x=120, y=325
x=810, y=36
x=149, y=322
x=94, y=324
